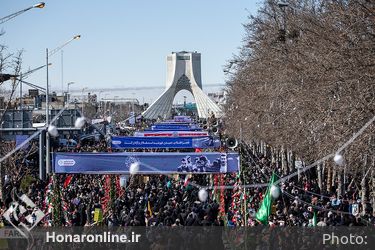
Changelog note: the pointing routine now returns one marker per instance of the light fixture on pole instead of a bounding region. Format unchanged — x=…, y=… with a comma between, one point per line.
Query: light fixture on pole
x=49, y=54
x=62, y=63
x=52, y=52
x=7, y=18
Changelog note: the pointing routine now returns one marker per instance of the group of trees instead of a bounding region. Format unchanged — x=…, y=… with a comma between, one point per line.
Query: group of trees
x=10, y=65
x=304, y=82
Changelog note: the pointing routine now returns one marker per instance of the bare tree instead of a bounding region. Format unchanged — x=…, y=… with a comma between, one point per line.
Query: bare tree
x=304, y=83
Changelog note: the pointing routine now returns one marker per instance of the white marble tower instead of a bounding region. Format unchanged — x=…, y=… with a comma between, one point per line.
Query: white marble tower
x=183, y=72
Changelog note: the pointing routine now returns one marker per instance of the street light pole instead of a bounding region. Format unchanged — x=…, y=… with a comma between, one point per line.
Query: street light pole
x=62, y=72
x=48, y=170
x=7, y=18
x=48, y=54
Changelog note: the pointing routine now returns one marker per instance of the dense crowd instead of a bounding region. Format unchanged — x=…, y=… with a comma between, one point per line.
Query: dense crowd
x=173, y=200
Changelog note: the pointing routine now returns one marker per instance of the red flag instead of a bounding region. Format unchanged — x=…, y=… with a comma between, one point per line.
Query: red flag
x=198, y=150
x=67, y=180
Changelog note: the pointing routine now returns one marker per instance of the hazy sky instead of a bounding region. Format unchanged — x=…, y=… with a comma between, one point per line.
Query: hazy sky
x=124, y=43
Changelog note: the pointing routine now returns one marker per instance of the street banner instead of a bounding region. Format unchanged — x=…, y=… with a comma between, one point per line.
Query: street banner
x=171, y=134
x=179, y=119
x=174, y=126
x=146, y=163
x=154, y=129
x=182, y=118
x=128, y=142
x=173, y=122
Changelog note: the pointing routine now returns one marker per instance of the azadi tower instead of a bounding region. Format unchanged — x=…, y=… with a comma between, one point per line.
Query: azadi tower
x=183, y=72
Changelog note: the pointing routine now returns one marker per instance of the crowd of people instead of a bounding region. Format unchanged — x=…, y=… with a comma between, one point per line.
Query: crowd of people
x=173, y=200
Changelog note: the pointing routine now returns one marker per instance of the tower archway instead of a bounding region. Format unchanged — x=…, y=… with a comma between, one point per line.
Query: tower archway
x=183, y=73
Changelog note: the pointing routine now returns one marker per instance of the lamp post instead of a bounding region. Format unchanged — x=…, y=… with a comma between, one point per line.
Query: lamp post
x=67, y=93
x=49, y=54
x=62, y=72
x=7, y=18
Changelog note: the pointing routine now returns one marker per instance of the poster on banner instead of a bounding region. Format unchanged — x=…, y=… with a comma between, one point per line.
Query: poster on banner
x=129, y=142
x=149, y=163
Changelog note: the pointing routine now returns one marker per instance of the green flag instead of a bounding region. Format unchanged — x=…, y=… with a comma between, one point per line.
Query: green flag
x=265, y=208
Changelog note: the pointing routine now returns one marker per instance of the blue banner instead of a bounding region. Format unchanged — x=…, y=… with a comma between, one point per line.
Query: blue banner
x=147, y=163
x=174, y=126
x=171, y=134
x=173, y=129
x=165, y=142
x=182, y=118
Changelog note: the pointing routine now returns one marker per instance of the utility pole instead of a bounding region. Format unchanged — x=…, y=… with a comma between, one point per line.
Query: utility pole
x=48, y=160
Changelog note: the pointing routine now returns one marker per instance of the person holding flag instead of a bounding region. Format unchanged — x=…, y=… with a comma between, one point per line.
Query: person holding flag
x=264, y=210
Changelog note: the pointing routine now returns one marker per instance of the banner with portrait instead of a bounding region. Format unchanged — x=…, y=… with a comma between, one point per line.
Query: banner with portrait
x=146, y=163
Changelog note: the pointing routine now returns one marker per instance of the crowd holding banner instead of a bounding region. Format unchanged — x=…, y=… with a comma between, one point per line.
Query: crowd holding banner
x=147, y=163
